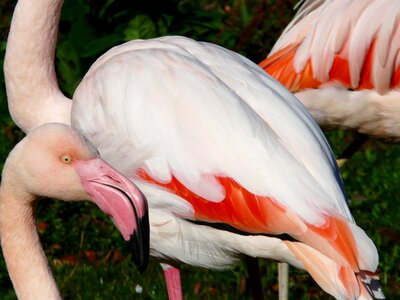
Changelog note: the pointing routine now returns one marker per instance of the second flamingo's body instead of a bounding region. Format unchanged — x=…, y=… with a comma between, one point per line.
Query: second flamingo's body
x=341, y=59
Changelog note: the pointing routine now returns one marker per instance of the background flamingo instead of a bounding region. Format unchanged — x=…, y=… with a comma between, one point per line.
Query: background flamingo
x=341, y=58
x=58, y=162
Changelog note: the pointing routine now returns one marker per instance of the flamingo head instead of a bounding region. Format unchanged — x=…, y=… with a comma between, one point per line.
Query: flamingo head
x=58, y=162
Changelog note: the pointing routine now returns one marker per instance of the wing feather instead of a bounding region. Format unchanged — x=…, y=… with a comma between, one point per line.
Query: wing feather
x=218, y=116
x=211, y=127
x=361, y=35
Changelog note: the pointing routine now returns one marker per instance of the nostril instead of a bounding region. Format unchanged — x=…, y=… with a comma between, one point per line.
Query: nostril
x=113, y=179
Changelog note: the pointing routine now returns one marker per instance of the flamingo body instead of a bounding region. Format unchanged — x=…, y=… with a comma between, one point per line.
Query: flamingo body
x=208, y=136
x=341, y=59
x=191, y=153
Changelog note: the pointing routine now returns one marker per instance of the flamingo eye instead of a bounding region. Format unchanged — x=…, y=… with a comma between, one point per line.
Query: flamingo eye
x=66, y=159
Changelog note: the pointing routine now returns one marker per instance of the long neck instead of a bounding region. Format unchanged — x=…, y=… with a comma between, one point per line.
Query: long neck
x=33, y=94
x=24, y=256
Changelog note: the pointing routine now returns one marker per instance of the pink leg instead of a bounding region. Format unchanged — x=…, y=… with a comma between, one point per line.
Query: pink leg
x=173, y=281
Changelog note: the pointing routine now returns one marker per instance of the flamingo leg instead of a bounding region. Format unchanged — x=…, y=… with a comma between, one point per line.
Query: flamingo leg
x=283, y=279
x=172, y=277
x=351, y=149
x=255, y=278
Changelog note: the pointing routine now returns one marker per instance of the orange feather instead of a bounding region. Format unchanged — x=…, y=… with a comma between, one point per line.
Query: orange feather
x=262, y=214
x=280, y=66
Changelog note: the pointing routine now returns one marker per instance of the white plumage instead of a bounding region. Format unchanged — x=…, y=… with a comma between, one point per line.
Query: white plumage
x=226, y=137
x=207, y=135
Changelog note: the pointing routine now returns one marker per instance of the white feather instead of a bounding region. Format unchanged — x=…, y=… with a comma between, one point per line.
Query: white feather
x=368, y=111
x=207, y=112
x=244, y=126
x=204, y=246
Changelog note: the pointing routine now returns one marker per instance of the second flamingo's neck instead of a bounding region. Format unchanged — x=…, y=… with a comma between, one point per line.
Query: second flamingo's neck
x=33, y=94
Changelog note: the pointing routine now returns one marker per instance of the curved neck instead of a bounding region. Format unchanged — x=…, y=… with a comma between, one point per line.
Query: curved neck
x=33, y=94
x=24, y=256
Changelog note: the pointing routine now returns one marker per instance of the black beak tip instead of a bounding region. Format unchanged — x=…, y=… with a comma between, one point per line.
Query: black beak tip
x=140, y=244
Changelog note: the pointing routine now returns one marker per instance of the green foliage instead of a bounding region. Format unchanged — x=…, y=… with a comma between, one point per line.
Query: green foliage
x=73, y=234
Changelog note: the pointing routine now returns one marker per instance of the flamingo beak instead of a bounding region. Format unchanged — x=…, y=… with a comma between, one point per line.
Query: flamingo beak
x=119, y=198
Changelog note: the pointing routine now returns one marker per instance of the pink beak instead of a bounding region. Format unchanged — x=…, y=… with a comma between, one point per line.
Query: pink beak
x=119, y=198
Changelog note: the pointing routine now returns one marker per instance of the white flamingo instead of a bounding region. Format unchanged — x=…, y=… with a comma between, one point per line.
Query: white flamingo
x=56, y=161
x=207, y=136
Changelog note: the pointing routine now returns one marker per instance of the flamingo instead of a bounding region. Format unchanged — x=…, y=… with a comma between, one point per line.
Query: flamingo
x=208, y=137
x=58, y=162
x=341, y=59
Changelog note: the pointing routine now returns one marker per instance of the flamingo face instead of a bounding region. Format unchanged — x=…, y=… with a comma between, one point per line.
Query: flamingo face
x=57, y=162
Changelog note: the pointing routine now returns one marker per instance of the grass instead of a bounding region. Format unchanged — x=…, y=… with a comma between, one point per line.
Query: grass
x=86, y=253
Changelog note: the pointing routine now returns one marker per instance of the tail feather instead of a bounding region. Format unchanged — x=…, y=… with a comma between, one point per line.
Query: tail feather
x=341, y=281
x=370, y=286
x=337, y=280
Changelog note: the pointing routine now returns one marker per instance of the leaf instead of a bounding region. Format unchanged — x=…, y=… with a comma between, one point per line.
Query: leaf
x=74, y=10
x=163, y=24
x=140, y=27
x=244, y=12
x=97, y=46
x=103, y=11
x=68, y=67
x=81, y=32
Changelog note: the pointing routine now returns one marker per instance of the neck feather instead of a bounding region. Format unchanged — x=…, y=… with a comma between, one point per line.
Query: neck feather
x=33, y=93
x=24, y=256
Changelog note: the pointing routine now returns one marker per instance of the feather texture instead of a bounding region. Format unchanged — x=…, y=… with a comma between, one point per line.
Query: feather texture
x=326, y=31
x=255, y=147
x=228, y=143
x=351, y=45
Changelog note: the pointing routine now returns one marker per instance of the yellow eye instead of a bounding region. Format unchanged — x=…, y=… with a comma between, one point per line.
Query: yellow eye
x=66, y=159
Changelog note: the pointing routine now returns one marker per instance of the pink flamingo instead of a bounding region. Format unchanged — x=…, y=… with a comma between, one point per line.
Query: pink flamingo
x=207, y=136
x=56, y=161
x=341, y=59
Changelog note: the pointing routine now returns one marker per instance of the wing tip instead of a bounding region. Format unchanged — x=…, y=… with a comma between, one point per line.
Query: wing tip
x=370, y=283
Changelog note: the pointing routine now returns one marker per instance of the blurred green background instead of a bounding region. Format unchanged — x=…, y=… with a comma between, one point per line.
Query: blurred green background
x=86, y=253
